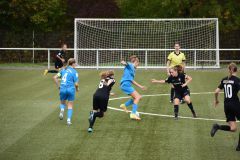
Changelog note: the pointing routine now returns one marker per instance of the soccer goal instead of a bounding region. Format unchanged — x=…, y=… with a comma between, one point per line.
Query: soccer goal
x=102, y=43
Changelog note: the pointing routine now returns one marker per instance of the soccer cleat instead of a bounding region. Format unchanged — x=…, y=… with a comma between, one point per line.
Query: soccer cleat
x=215, y=127
x=238, y=148
x=123, y=106
x=194, y=115
x=45, y=72
x=61, y=114
x=69, y=123
x=135, y=117
x=182, y=101
x=90, y=130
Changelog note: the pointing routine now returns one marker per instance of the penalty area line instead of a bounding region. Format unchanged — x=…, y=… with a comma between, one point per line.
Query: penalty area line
x=170, y=116
x=154, y=95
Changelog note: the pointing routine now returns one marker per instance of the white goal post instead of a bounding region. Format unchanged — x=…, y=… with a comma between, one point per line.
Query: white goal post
x=102, y=43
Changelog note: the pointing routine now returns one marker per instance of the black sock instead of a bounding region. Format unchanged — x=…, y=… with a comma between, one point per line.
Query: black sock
x=224, y=127
x=190, y=106
x=176, y=110
x=172, y=94
x=95, y=115
x=52, y=71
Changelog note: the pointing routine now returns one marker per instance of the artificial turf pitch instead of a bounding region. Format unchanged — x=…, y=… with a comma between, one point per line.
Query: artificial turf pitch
x=30, y=127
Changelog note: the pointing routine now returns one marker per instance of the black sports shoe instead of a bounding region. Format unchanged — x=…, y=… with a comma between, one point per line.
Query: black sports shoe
x=215, y=127
x=176, y=117
x=194, y=115
x=238, y=148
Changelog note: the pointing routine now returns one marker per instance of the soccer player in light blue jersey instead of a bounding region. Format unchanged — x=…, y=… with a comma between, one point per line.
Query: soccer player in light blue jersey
x=126, y=86
x=68, y=86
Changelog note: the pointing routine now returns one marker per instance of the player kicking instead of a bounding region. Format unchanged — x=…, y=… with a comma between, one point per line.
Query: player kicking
x=59, y=61
x=101, y=97
x=231, y=86
x=68, y=86
x=126, y=86
x=181, y=90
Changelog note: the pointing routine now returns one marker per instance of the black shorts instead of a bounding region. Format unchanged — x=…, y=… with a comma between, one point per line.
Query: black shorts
x=232, y=111
x=58, y=64
x=181, y=94
x=100, y=103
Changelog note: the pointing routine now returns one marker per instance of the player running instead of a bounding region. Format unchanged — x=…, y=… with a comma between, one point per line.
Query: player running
x=101, y=97
x=59, y=60
x=231, y=86
x=126, y=86
x=179, y=81
x=175, y=58
x=68, y=86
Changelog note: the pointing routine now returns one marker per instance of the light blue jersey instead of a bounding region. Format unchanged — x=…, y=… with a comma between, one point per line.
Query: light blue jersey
x=129, y=73
x=69, y=77
x=127, y=78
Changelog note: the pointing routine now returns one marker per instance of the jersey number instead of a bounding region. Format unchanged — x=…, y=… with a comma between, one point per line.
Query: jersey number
x=100, y=84
x=228, y=90
x=64, y=78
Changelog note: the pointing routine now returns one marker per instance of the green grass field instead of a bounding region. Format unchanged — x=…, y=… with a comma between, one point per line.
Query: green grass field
x=30, y=128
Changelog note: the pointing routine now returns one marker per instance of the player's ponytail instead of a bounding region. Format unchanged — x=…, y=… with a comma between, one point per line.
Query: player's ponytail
x=232, y=67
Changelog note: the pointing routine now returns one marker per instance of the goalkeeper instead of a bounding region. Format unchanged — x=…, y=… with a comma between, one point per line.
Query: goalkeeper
x=175, y=58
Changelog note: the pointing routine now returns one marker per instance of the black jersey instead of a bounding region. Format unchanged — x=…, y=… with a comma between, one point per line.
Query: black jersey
x=231, y=87
x=61, y=54
x=104, y=90
x=177, y=81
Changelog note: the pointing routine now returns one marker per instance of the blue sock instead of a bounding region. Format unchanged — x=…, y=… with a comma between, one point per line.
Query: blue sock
x=129, y=102
x=70, y=112
x=62, y=106
x=134, y=108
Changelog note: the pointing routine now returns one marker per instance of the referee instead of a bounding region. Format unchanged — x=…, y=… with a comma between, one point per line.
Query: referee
x=175, y=58
x=59, y=60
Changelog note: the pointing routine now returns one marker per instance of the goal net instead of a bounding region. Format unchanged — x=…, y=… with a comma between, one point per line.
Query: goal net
x=102, y=43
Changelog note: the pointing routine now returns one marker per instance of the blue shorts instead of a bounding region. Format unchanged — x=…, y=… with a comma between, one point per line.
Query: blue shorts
x=67, y=94
x=127, y=88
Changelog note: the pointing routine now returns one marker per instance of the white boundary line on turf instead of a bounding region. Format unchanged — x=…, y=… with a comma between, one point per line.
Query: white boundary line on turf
x=163, y=115
x=154, y=95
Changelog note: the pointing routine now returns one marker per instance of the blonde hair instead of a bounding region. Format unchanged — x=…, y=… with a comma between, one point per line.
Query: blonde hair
x=133, y=58
x=232, y=67
x=71, y=61
x=110, y=73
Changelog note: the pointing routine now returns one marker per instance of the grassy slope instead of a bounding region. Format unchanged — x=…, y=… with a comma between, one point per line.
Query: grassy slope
x=30, y=128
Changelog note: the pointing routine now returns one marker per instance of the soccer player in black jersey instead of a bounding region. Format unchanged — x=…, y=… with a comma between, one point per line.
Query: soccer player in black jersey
x=101, y=97
x=179, y=81
x=231, y=86
x=59, y=60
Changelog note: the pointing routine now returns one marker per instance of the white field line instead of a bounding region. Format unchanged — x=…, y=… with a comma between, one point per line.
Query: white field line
x=163, y=115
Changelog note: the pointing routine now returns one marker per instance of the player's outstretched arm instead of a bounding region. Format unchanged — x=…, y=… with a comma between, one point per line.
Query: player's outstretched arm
x=216, y=102
x=123, y=62
x=157, y=81
x=138, y=85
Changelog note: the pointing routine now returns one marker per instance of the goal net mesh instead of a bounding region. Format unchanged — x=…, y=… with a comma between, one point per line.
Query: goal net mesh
x=106, y=41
